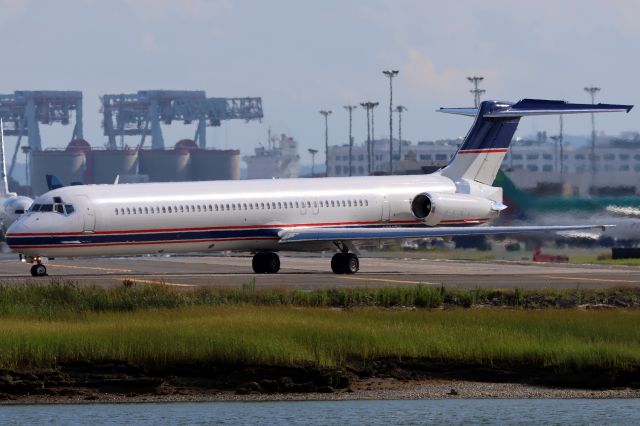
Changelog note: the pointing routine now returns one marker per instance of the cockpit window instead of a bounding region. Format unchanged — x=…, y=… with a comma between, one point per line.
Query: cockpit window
x=47, y=208
x=19, y=211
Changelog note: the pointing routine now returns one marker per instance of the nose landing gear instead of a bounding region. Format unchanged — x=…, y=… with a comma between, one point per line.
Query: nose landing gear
x=38, y=270
x=265, y=263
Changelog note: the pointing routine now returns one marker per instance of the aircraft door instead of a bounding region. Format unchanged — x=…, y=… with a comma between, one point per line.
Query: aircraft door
x=315, y=206
x=88, y=213
x=386, y=211
x=303, y=207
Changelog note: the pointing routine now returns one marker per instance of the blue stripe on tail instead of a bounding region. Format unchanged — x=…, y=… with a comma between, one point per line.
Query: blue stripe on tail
x=490, y=133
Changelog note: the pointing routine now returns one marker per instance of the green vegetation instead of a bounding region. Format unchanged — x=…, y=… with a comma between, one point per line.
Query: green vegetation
x=288, y=336
x=602, y=259
x=154, y=326
x=60, y=300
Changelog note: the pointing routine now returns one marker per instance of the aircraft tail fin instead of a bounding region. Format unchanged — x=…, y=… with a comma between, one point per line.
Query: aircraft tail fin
x=53, y=182
x=488, y=140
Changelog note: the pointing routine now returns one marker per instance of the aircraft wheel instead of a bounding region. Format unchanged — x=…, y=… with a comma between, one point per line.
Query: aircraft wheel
x=265, y=263
x=259, y=263
x=272, y=263
x=39, y=270
x=338, y=263
x=351, y=263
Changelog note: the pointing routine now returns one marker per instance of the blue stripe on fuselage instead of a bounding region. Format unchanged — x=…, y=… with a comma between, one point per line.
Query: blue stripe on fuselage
x=174, y=236
x=140, y=238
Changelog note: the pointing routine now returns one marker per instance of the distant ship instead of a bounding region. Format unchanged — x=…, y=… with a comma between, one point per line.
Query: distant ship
x=279, y=159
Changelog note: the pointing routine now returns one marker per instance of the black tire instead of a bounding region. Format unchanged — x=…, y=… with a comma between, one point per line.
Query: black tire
x=351, y=263
x=258, y=263
x=338, y=263
x=39, y=270
x=272, y=263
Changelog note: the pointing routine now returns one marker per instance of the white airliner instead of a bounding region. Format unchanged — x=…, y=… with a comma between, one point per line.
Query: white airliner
x=266, y=216
x=12, y=205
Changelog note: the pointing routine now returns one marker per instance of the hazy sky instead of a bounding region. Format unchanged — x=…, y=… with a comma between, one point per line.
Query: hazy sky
x=302, y=56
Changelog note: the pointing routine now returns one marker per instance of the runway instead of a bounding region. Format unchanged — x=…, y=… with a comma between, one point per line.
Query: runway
x=314, y=272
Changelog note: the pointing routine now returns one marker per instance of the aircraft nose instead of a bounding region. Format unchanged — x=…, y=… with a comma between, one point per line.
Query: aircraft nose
x=15, y=231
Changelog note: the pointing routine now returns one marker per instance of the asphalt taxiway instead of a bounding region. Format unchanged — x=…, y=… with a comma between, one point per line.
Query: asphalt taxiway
x=314, y=272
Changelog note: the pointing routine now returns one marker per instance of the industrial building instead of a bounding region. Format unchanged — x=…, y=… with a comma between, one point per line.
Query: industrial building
x=80, y=163
x=139, y=114
x=531, y=164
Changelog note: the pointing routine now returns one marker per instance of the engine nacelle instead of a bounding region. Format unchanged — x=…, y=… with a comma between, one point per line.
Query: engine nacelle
x=454, y=209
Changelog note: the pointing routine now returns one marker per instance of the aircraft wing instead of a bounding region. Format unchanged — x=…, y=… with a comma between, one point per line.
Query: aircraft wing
x=303, y=235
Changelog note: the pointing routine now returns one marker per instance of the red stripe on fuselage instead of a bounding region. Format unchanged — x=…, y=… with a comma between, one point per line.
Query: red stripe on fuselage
x=481, y=151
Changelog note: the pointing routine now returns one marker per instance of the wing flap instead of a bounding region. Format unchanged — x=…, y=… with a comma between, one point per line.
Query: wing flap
x=300, y=235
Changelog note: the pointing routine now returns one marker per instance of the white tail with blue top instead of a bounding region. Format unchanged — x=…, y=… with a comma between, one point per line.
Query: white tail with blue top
x=488, y=140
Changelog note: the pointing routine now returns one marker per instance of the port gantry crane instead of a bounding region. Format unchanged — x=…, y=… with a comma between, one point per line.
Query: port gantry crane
x=23, y=111
x=141, y=113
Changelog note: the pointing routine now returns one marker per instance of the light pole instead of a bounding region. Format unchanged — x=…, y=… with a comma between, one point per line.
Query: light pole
x=3, y=166
x=313, y=153
x=555, y=140
x=475, y=80
x=400, y=109
x=27, y=150
x=326, y=114
x=373, y=137
x=561, y=140
x=390, y=74
x=367, y=107
x=592, y=90
x=350, y=108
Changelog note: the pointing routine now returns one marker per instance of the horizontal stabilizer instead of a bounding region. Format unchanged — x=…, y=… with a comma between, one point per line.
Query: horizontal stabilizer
x=406, y=233
x=532, y=107
x=469, y=112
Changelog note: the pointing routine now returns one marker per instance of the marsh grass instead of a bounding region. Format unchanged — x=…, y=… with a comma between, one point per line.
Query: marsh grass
x=62, y=299
x=287, y=336
x=155, y=326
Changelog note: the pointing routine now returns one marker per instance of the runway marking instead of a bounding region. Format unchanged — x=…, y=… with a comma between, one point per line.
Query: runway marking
x=137, y=280
x=590, y=279
x=91, y=267
x=385, y=280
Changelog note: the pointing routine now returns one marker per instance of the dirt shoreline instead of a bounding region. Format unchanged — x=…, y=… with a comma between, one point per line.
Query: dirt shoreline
x=118, y=382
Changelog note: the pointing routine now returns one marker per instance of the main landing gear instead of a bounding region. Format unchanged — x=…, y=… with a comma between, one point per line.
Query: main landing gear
x=38, y=270
x=265, y=263
x=345, y=263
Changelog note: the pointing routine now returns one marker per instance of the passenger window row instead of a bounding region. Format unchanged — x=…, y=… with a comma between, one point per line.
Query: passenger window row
x=272, y=205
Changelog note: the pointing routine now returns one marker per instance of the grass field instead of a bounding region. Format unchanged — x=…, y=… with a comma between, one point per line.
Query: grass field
x=287, y=336
x=61, y=299
x=153, y=326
